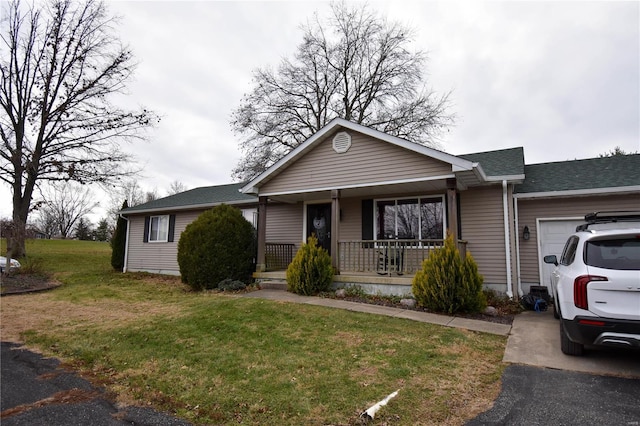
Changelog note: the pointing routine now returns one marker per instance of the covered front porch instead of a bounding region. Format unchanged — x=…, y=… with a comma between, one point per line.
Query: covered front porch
x=376, y=266
x=390, y=258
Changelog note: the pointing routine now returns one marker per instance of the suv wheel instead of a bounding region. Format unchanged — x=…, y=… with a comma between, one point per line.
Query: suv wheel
x=556, y=314
x=567, y=346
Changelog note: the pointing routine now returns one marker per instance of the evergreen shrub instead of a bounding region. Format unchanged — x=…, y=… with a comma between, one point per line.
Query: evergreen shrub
x=220, y=244
x=119, y=241
x=448, y=283
x=310, y=272
x=231, y=285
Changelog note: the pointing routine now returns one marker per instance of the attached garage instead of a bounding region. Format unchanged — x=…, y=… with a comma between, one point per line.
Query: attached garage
x=554, y=198
x=552, y=236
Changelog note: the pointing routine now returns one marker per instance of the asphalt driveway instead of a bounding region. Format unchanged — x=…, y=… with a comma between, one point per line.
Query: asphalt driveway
x=36, y=391
x=542, y=396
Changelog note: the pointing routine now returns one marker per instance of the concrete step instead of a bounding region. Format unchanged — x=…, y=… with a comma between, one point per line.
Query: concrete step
x=272, y=284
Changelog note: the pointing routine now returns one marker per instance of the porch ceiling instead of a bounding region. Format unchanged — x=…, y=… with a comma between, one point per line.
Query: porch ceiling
x=423, y=187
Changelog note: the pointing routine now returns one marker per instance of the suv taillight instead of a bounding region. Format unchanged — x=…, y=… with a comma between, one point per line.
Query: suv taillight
x=580, y=289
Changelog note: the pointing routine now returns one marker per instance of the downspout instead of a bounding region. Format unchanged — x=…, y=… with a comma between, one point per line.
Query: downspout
x=126, y=245
x=517, y=227
x=507, y=246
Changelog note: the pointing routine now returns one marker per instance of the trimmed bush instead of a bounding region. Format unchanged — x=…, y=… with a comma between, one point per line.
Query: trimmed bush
x=119, y=241
x=231, y=285
x=219, y=244
x=449, y=284
x=310, y=272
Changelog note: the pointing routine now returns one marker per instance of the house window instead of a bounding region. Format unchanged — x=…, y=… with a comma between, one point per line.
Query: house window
x=158, y=228
x=410, y=218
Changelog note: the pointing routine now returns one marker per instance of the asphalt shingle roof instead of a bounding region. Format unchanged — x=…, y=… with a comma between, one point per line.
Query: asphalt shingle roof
x=203, y=196
x=504, y=162
x=592, y=173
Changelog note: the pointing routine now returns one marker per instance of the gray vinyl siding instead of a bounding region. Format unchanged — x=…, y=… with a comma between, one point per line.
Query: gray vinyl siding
x=284, y=224
x=367, y=161
x=351, y=223
x=481, y=217
x=155, y=257
x=161, y=258
x=577, y=207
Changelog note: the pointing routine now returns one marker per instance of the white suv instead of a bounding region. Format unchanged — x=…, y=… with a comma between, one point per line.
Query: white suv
x=596, y=283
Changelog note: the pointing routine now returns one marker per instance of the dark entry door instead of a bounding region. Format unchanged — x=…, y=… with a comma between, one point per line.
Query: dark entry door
x=319, y=224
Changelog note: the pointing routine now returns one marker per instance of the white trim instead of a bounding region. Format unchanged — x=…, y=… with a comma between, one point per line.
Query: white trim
x=188, y=207
x=510, y=178
x=126, y=246
x=356, y=186
x=166, y=238
x=539, y=240
x=579, y=192
x=457, y=163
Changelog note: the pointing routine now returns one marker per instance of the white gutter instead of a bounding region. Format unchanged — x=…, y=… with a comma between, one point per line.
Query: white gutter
x=507, y=246
x=517, y=227
x=126, y=246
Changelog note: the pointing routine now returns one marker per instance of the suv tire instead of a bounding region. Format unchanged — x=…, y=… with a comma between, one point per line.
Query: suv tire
x=567, y=346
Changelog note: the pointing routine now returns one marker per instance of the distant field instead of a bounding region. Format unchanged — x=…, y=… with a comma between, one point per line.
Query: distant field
x=220, y=359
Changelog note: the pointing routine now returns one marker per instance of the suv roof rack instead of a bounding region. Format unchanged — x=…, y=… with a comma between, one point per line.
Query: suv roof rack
x=608, y=217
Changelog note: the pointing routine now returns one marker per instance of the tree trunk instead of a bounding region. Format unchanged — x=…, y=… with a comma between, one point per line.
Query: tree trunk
x=16, y=239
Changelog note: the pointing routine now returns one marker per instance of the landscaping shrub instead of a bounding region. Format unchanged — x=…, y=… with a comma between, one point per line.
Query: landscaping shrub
x=220, y=244
x=447, y=283
x=310, y=272
x=118, y=242
x=231, y=285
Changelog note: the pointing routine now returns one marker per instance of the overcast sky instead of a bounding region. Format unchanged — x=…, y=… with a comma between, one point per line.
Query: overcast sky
x=561, y=79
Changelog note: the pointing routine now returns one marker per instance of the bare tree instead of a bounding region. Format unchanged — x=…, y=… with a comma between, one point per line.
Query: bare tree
x=67, y=204
x=176, y=187
x=356, y=66
x=61, y=63
x=46, y=222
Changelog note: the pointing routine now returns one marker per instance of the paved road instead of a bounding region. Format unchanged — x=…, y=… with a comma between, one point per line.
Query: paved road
x=541, y=396
x=36, y=391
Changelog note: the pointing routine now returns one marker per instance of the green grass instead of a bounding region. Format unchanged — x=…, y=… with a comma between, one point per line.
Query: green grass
x=220, y=359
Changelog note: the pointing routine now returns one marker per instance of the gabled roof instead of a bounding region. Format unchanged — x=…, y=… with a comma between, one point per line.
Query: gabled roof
x=458, y=164
x=203, y=197
x=594, y=175
x=500, y=164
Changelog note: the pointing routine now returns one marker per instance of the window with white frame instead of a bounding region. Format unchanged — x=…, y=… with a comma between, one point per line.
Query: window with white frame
x=158, y=228
x=420, y=218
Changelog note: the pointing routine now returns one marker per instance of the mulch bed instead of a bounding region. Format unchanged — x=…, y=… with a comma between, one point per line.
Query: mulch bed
x=25, y=283
x=501, y=317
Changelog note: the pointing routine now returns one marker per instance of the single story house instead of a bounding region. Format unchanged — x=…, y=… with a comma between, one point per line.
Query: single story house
x=379, y=204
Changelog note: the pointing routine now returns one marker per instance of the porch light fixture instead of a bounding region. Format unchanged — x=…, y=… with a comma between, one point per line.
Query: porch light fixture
x=525, y=233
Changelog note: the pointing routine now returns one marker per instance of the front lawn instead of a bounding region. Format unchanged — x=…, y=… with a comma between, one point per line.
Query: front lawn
x=222, y=359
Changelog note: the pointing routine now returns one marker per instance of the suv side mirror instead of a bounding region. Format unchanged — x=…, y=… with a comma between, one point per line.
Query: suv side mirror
x=551, y=259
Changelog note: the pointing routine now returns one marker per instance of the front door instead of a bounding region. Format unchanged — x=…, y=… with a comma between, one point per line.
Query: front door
x=319, y=224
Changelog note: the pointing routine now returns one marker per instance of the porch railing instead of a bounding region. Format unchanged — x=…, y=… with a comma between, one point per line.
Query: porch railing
x=387, y=257
x=278, y=256
x=384, y=257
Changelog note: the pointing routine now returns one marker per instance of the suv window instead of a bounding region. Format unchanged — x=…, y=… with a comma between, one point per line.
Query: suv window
x=569, y=252
x=620, y=253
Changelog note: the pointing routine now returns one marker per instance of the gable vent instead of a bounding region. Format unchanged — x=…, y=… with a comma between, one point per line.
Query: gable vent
x=341, y=142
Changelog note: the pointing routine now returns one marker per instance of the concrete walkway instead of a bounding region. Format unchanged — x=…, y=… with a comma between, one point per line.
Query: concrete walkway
x=535, y=340
x=448, y=321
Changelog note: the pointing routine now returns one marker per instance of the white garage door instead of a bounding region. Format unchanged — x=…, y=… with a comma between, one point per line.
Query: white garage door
x=552, y=236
